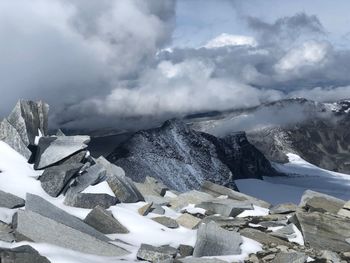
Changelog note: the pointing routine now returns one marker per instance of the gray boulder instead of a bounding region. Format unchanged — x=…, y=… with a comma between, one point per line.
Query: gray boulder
x=325, y=231
x=90, y=201
x=166, y=221
x=122, y=186
x=230, y=223
x=156, y=185
x=188, y=221
x=156, y=254
x=50, y=231
x=213, y=240
x=22, y=254
x=283, y=208
x=44, y=208
x=318, y=202
x=263, y=238
x=217, y=190
x=201, y=260
x=225, y=207
x=345, y=210
x=290, y=257
x=10, y=201
x=6, y=233
x=103, y=220
x=10, y=135
x=28, y=118
x=52, y=150
x=158, y=209
x=145, y=210
x=191, y=197
x=55, y=178
x=185, y=251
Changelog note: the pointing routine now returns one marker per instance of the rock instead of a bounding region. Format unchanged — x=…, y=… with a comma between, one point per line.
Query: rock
x=91, y=176
x=144, y=210
x=44, y=208
x=6, y=233
x=185, y=251
x=201, y=260
x=60, y=133
x=55, y=178
x=262, y=237
x=318, y=202
x=218, y=190
x=22, y=254
x=90, y=201
x=10, y=201
x=325, y=231
x=290, y=257
x=331, y=256
x=10, y=135
x=28, y=118
x=157, y=209
x=166, y=221
x=345, y=211
x=225, y=207
x=228, y=223
x=268, y=224
x=188, y=221
x=157, y=200
x=122, y=186
x=285, y=232
x=52, y=150
x=191, y=197
x=156, y=254
x=283, y=208
x=50, y=231
x=103, y=220
x=212, y=240
x=156, y=185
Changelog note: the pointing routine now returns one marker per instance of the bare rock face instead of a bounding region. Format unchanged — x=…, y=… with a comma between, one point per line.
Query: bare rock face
x=25, y=254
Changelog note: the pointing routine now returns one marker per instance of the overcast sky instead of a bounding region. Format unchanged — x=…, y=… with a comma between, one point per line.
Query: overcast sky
x=116, y=63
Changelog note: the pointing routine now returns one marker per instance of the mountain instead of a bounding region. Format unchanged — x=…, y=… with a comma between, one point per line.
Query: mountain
x=317, y=132
x=183, y=158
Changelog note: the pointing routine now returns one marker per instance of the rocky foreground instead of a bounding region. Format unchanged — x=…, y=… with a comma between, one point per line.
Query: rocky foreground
x=92, y=207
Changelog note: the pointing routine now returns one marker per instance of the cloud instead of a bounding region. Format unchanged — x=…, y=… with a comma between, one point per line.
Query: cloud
x=230, y=40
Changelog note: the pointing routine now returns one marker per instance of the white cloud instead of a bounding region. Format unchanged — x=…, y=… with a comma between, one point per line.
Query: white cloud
x=224, y=40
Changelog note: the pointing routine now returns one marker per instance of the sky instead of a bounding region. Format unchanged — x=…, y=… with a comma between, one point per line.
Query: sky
x=123, y=64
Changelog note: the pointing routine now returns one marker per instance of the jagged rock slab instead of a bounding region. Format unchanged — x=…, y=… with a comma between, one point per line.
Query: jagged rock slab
x=6, y=233
x=290, y=257
x=188, y=221
x=42, y=207
x=22, y=254
x=283, y=208
x=50, y=231
x=185, y=251
x=90, y=201
x=144, y=210
x=325, y=231
x=314, y=201
x=156, y=254
x=166, y=221
x=173, y=154
x=263, y=238
x=55, y=178
x=10, y=135
x=91, y=176
x=156, y=185
x=226, y=222
x=28, y=118
x=122, y=186
x=157, y=200
x=103, y=220
x=52, y=150
x=192, y=197
x=225, y=207
x=212, y=240
x=10, y=201
x=345, y=211
x=285, y=232
x=217, y=190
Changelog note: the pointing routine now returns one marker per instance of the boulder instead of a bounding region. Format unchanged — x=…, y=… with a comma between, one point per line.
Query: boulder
x=166, y=221
x=318, y=202
x=263, y=238
x=185, y=251
x=325, y=231
x=157, y=200
x=229, y=223
x=29, y=118
x=212, y=240
x=144, y=210
x=6, y=233
x=10, y=201
x=103, y=220
x=10, y=135
x=44, y=208
x=191, y=197
x=52, y=150
x=122, y=186
x=50, y=231
x=218, y=190
x=225, y=207
x=22, y=254
x=286, y=208
x=290, y=257
x=158, y=209
x=55, y=178
x=156, y=185
x=188, y=221
x=90, y=201
x=345, y=210
x=156, y=254
x=285, y=232
x=201, y=260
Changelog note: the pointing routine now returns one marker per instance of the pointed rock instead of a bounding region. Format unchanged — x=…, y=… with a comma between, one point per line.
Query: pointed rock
x=166, y=221
x=103, y=220
x=144, y=210
x=213, y=240
x=225, y=207
x=10, y=201
x=188, y=221
x=90, y=201
x=318, y=202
